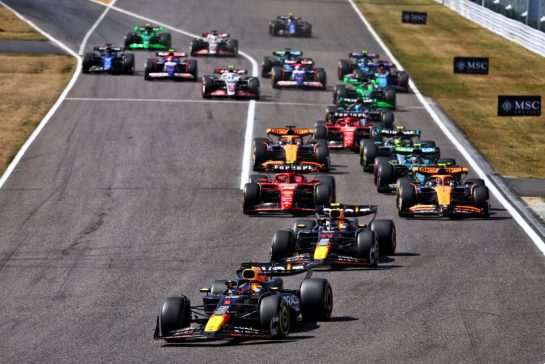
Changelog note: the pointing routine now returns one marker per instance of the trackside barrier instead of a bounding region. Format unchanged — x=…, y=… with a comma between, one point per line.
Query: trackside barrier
x=515, y=31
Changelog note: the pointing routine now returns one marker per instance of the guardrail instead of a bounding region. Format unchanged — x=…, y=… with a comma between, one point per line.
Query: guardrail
x=529, y=38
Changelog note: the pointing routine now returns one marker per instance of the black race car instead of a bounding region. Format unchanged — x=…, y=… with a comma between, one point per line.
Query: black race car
x=290, y=25
x=286, y=58
x=214, y=44
x=108, y=59
x=254, y=306
x=171, y=65
x=336, y=239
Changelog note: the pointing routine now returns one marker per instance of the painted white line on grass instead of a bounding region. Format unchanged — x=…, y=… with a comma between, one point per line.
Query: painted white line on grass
x=475, y=166
x=99, y=20
x=251, y=106
x=191, y=101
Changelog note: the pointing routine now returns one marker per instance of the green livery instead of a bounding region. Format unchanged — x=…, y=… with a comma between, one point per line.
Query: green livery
x=148, y=37
x=369, y=92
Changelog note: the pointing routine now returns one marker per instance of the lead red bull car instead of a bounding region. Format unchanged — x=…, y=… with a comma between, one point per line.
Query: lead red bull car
x=344, y=133
x=287, y=192
x=255, y=305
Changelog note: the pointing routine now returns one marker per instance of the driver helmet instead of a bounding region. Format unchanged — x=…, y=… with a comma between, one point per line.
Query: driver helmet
x=230, y=68
x=297, y=179
x=245, y=289
x=450, y=181
x=298, y=67
x=281, y=178
x=148, y=27
x=438, y=181
x=108, y=49
x=290, y=16
x=171, y=52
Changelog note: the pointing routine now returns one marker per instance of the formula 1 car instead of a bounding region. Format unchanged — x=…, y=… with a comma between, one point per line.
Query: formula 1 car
x=171, y=66
x=301, y=74
x=369, y=92
x=400, y=163
x=287, y=59
x=287, y=192
x=148, y=37
x=365, y=66
x=357, y=109
x=230, y=82
x=444, y=192
x=336, y=239
x=290, y=148
x=384, y=141
x=344, y=133
x=290, y=25
x=108, y=59
x=214, y=44
x=254, y=306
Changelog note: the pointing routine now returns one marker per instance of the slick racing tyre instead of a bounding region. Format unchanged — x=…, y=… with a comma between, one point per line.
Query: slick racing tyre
x=192, y=68
x=343, y=68
x=323, y=195
x=320, y=76
x=165, y=39
x=253, y=87
x=232, y=46
x=387, y=118
x=385, y=176
x=367, y=247
x=320, y=130
x=329, y=180
x=128, y=64
x=259, y=153
x=251, y=197
x=405, y=197
x=150, y=67
x=207, y=87
x=282, y=245
x=339, y=91
x=276, y=75
x=266, y=67
x=87, y=62
x=368, y=152
x=175, y=314
x=274, y=27
x=274, y=316
x=316, y=299
x=385, y=232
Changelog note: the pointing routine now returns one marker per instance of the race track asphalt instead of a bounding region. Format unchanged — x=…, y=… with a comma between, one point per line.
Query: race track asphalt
x=119, y=204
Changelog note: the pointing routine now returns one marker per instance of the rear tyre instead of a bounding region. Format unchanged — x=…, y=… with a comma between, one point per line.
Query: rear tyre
x=367, y=247
x=321, y=77
x=322, y=157
x=253, y=87
x=150, y=67
x=207, y=87
x=323, y=195
x=316, y=299
x=390, y=97
x=403, y=81
x=340, y=91
x=232, y=45
x=250, y=197
x=405, y=197
x=343, y=68
x=259, y=153
x=266, y=67
x=282, y=245
x=276, y=75
x=385, y=232
x=165, y=39
x=320, y=131
x=385, y=176
x=387, y=118
x=480, y=195
x=274, y=27
x=175, y=314
x=192, y=68
x=87, y=62
x=329, y=180
x=368, y=153
x=128, y=64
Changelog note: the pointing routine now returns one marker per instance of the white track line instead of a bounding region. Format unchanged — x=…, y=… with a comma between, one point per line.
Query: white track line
x=99, y=20
x=194, y=101
x=476, y=168
x=59, y=101
x=245, y=173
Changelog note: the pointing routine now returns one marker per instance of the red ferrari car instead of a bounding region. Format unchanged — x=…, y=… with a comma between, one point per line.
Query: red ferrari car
x=344, y=133
x=288, y=192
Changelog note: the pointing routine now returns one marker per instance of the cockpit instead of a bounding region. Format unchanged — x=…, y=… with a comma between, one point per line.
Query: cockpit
x=289, y=178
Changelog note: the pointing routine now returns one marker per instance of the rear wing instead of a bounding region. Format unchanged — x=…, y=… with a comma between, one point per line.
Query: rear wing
x=175, y=54
x=398, y=132
x=221, y=35
x=334, y=210
x=287, y=52
x=301, y=168
x=142, y=28
x=275, y=269
x=441, y=170
x=363, y=55
x=416, y=150
x=289, y=131
x=285, y=17
x=303, y=61
x=239, y=71
x=103, y=48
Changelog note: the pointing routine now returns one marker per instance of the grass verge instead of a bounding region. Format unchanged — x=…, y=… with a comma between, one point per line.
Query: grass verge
x=513, y=145
x=30, y=85
x=13, y=28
